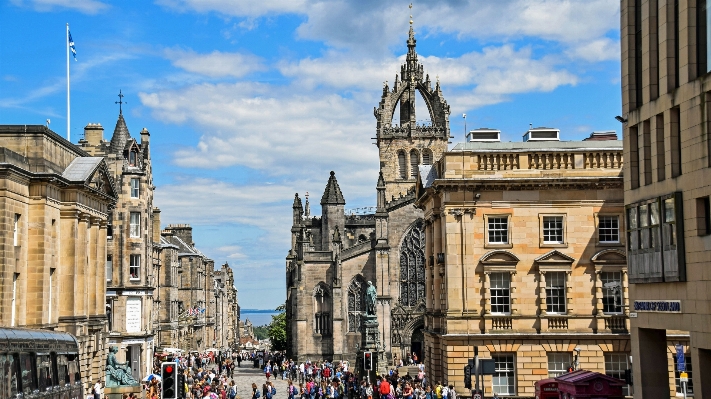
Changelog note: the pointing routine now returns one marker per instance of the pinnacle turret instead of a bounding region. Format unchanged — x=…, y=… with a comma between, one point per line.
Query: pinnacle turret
x=120, y=137
x=332, y=195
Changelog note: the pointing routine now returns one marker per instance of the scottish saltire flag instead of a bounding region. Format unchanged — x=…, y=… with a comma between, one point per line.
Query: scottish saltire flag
x=71, y=46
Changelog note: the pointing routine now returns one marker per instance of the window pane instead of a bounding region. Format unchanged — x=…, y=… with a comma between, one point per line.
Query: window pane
x=611, y=298
x=504, y=378
x=553, y=229
x=632, y=217
x=615, y=366
x=135, y=224
x=498, y=230
x=669, y=210
x=44, y=372
x=555, y=292
x=27, y=373
x=109, y=268
x=500, y=293
x=609, y=229
x=134, y=188
x=135, y=267
x=558, y=363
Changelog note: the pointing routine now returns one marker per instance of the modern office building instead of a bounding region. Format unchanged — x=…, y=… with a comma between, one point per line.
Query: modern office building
x=666, y=110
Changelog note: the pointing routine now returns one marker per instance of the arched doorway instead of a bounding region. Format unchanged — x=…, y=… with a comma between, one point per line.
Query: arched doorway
x=417, y=343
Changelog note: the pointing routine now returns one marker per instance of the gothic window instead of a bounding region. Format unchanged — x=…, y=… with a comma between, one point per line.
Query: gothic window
x=414, y=163
x=427, y=156
x=402, y=164
x=322, y=311
x=412, y=266
x=356, y=305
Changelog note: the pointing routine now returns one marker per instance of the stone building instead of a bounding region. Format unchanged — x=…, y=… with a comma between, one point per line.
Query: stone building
x=130, y=275
x=196, y=302
x=55, y=203
x=166, y=300
x=666, y=110
x=520, y=240
x=227, y=309
x=333, y=256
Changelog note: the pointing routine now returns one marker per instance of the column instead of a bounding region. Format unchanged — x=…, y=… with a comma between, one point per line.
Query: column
x=598, y=293
x=542, y=293
x=569, y=292
x=487, y=295
x=514, y=297
x=625, y=293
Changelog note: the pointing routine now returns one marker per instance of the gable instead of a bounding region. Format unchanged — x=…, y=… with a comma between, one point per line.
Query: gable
x=610, y=256
x=102, y=181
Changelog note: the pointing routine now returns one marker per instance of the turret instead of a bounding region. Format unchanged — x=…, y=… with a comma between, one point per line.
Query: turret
x=332, y=211
x=297, y=210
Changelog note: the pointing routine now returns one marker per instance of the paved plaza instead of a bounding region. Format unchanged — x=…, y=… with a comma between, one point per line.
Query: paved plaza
x=246, y=375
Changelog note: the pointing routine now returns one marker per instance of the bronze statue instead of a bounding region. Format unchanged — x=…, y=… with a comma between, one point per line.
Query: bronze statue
x=117, y=373
x=370, y=295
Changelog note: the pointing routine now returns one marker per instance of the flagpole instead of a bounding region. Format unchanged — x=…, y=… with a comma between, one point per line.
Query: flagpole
x=68, y=113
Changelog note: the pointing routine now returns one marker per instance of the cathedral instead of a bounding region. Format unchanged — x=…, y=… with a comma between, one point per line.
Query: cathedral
x=332, y=257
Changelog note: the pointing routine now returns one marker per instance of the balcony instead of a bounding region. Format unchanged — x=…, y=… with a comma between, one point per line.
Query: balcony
x=616, y=324
x=501, y=323
x=557, y=323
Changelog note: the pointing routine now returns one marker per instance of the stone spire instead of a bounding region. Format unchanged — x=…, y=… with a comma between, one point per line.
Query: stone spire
x=332, y=195
x=307, y=208
x=121, y=135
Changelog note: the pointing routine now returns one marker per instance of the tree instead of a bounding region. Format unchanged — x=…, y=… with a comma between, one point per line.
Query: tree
x=277, y=329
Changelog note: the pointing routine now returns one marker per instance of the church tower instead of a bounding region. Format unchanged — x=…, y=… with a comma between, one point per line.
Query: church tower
x=405, y=145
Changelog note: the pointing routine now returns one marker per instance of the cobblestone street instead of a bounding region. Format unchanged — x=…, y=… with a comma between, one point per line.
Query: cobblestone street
x=246, y=375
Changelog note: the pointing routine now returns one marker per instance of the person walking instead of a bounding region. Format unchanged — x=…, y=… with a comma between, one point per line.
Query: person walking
x=97, y=390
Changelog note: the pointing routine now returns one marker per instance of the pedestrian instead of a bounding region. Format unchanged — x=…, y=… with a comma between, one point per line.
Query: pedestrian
x=97, y=390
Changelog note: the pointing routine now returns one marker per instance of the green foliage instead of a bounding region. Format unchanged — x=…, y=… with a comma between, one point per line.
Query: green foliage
x=261, y=332
x=277, y=329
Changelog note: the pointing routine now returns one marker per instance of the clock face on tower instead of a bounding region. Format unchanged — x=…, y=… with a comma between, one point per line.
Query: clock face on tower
x=598, y=386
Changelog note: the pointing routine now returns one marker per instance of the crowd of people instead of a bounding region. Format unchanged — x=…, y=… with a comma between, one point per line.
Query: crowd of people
x=210, y=376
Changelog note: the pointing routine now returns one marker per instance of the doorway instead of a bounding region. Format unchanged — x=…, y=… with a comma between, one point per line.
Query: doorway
x=417, y=343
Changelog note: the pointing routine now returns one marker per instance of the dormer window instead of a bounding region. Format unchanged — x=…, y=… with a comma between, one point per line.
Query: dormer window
x=132, y=158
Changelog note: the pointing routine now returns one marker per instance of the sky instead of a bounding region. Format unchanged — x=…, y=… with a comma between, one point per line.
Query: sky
x=249, y=102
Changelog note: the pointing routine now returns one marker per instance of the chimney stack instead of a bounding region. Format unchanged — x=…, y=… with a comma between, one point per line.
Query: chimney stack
x=94, y=133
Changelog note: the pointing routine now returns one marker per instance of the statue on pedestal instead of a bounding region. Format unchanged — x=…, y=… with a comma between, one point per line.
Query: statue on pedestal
x=370, y=295
x=117, y=373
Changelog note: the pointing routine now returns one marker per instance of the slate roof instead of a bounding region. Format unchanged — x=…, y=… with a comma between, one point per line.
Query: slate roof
x=428, y=174
x=81, y=168
x=332, y=195
x=120, y=137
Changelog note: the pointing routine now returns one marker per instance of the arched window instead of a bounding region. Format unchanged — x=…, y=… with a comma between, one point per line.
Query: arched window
x=322, y=310
x=356, y=305
x=402, y=164
x=412, y=265
x=414, y=163
x=427, y=156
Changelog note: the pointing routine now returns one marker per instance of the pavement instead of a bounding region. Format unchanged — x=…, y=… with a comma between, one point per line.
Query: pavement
x=246, y=375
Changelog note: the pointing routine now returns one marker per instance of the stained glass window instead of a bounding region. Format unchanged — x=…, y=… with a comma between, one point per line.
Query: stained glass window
x=356, y=305
x=412, y=266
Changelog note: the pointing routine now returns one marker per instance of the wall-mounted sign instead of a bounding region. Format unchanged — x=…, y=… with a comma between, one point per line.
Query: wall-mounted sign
x=135, y=293
x=657, y=306
x=133, y=314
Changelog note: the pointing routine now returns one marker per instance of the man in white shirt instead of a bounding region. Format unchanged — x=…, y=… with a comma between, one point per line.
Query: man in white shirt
x=97, y=390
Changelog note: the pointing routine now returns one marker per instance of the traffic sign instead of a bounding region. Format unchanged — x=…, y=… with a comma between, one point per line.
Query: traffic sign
x=680, y=360
x=683, y=377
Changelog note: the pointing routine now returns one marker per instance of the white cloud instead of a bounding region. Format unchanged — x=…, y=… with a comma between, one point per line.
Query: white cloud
x=216, y=64
x=604, y=49
x=372, y=27
x=84, y=6
x=237, y=7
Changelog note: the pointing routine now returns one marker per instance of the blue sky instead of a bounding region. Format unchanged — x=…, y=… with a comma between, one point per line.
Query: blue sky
x=249, y=102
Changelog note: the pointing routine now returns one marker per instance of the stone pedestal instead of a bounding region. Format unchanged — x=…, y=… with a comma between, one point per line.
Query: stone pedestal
x=371, y=343
x=117, y=392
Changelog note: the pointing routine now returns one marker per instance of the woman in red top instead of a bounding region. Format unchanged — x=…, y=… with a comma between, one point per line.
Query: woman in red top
x=384, y=387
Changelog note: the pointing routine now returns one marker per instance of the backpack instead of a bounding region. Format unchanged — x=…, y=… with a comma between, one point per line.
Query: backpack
x=257, y=394
x=312, y=391
x=233, y=393
x=273, y=391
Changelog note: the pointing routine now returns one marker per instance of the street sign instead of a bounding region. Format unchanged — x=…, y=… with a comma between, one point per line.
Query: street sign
x=680, y=360
x=683, y=377
x=633, y=315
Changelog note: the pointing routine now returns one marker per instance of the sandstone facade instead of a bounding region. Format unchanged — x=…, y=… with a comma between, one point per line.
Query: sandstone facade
x=521, y=238
x=55, y=203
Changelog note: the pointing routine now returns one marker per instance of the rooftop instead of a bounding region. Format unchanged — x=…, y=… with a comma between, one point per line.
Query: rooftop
x=526, y=146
